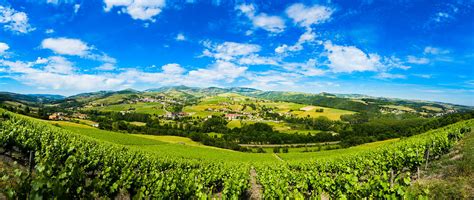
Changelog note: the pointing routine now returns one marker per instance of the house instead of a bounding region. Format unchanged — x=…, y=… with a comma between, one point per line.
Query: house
x=79, y=116
x=58, y=116
x=232, y=116
x=171, y=115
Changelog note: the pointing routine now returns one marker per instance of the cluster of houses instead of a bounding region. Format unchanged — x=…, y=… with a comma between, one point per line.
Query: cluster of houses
x=156, y=99
x=60, y=116
x=171, y=115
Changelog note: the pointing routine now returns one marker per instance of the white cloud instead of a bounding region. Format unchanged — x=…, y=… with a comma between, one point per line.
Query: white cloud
x=350, y=58
x=76, y=47
x=416, y=60
x=52, y=1
x=306, y=37
x=106, y=67
x=59, y=65
x=385, y=75
x=66, y=46
x=76, y=8
x=308, y=68
x=272, y=24
x=307, y=16
x=173, y=68
x=435, y=51
x=49, y=31
x=59, y=75
x=230, y=50
x=180, y=37
x=137, y=9
x=40, y=61
x=3, y=47
x=238, y=53
x=258, y=60
x=14, y=21
x=273, y=80
x=393, y=63
x=219, y=71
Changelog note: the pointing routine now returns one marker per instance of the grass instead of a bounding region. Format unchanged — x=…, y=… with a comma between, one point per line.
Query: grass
x=172, y=139
x=234, y=124
x=452, y=176
x=166, y=146
x=174, y=146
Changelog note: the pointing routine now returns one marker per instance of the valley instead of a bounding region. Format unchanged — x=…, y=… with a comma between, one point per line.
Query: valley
x=224, y=143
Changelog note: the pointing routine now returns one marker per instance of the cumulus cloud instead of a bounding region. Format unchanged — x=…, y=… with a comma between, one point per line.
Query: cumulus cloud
x=172, y=68
x=137, y=9
x=66, y=46
x=350, y=58
x=76, y=47
x=58, y=74
x=273, y=80
x=219, y=71
x=307, y=37
x=14, y=21
x=3, y=47
x=306, y=16
x=308, y=68
x=255, y=59
x=272, y=24
x=58, y=64
x=106, y=67
x=230, y=50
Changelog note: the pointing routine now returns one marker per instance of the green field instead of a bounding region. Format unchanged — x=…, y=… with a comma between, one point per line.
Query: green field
x=141, y=107
x=175, y=146
x=166, y=146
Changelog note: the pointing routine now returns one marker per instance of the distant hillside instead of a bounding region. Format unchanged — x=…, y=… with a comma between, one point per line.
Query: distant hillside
x=185, y=94
x=29, y=98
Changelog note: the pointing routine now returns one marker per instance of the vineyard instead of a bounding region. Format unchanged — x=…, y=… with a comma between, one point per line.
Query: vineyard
x=70, y=165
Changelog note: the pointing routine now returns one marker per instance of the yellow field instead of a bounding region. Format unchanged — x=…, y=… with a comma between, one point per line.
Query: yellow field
x=403, y=108
x=436, y=109
x=302, y=110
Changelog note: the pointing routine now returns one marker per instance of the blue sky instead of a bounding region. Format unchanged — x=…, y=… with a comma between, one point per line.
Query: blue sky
x=405, y=49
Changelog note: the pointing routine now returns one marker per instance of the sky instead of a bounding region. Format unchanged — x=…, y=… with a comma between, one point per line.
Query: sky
x=402, y=49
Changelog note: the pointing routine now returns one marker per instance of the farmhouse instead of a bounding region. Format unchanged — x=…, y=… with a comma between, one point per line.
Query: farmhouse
x=79, y=116
x=232, y=116
x=58, y=116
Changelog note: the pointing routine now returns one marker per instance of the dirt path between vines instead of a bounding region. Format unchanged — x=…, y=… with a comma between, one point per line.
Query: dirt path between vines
x=452, y=175
x=255, y=187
